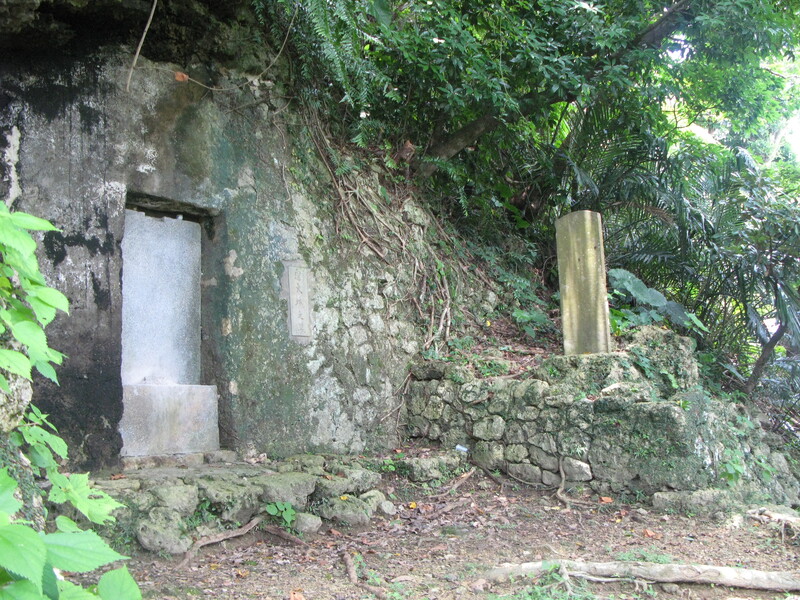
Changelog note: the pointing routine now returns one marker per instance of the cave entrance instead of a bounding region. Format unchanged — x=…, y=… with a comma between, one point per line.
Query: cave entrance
x=166, y=409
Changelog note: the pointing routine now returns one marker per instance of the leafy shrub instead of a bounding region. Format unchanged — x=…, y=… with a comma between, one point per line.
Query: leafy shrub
x=30, y=560
x=642, y=305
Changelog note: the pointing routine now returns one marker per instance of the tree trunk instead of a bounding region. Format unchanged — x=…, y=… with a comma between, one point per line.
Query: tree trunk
x=763, y=359
x=653, y=36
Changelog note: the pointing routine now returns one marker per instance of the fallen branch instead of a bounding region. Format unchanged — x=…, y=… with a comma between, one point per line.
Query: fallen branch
x=777, y=581
x=216, y=539
x=379, y=593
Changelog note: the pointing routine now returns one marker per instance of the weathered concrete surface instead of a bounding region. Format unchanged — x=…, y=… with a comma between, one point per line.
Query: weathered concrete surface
x=77, y=148
x=582, y=283
x=169, y=419
x=625, y=423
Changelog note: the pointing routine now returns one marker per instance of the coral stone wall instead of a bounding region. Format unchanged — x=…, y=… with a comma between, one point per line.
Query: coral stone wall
x=633, y=423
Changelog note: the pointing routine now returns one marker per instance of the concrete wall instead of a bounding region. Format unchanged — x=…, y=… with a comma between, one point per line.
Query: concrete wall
x=76, y=147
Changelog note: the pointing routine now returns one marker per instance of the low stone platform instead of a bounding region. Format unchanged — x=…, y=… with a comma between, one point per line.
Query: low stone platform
x=171, y=501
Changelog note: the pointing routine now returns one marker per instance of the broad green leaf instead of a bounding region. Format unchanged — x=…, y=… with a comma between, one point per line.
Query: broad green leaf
x=50, y=582
x=23, y=553
x=382, y=12
x=8, y=503
x=44, y=312
x=26, y=221
x=47, y=370
x=20, y=590
x=95, y=504
x=79, y=552
x=4, y=384
x=15, y=362
x=34, y=434
x=52, y=297
x=31, y=334
x=67, y=525
x=70, y=591
x=17, y=239
x=118, y=585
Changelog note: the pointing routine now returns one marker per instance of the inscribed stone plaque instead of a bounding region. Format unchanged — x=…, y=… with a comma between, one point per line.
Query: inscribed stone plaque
x=299, y=296
x=582, y=283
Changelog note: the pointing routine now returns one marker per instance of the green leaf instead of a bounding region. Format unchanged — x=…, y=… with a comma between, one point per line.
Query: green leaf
x=30, y=334
x=52, y=297
x=44, y=312
x=70, y=591
x=8, y=503
x=79, y=552
x=20, y=590
x=22, y=552
x=35, y=435
x=47, y=370
x=26, y=221
x=15, y=362
x=67, y=525
x=50, y=582
x=95, y=504
x=382, y=12
x=118, y=585
x=16, y=238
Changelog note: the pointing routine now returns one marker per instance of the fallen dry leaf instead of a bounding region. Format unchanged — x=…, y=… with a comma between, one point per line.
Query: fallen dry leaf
x=651, y=534
x=606, y=500
x=181, y=76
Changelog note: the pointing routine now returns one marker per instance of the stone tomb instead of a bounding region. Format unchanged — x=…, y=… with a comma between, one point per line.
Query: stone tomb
x=166, y=410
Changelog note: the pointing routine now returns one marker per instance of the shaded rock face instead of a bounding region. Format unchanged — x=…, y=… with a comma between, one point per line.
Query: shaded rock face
x=635, y=422
x=180, y=29
x=78, y=149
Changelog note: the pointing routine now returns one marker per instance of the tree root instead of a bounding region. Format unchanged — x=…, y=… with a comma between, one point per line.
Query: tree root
x=376, y=591
x=568, y=502
x=460, y=480
x=777, y=581
x=789, y=522
x=216, y=539
x=227, y=535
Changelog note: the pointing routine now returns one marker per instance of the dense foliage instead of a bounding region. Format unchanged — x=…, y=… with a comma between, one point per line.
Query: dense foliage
x=666, y=117
x=30, y=560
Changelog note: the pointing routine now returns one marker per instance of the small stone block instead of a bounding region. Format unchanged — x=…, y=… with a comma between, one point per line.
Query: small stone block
x=307, y=523
x=549, y=478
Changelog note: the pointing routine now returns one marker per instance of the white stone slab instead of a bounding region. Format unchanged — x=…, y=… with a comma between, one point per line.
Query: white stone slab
x=160, y=300
x=169, y=419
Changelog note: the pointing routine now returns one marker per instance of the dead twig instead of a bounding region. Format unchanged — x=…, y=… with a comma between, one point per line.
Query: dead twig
x=350, y=567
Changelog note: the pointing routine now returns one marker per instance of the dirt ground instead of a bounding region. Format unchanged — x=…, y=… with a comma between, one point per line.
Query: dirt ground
x=441, y=543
